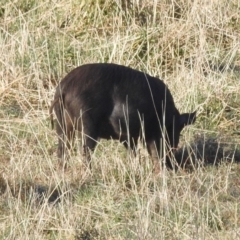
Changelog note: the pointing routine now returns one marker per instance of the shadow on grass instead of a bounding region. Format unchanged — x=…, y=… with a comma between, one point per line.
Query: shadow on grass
x=204, y=150
x=30, y=191
x=208, y=150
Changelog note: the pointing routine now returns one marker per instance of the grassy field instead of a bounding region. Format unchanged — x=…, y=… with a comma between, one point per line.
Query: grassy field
x=194, y=47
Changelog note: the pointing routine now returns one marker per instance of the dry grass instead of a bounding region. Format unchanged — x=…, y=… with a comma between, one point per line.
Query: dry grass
x=194, y=47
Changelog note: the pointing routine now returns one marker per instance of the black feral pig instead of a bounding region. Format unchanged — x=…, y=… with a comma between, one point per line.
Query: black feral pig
x=104, y=100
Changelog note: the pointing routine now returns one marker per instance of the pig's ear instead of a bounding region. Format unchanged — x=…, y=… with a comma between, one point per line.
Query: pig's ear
x=187, y=118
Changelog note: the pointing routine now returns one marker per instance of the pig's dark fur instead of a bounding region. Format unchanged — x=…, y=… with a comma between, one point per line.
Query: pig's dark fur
x=111, y=101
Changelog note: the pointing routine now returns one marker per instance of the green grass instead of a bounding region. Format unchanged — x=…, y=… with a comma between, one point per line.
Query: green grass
x=194, y=47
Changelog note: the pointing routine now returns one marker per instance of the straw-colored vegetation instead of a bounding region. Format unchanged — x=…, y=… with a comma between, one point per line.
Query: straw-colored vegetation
x=194, y=47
